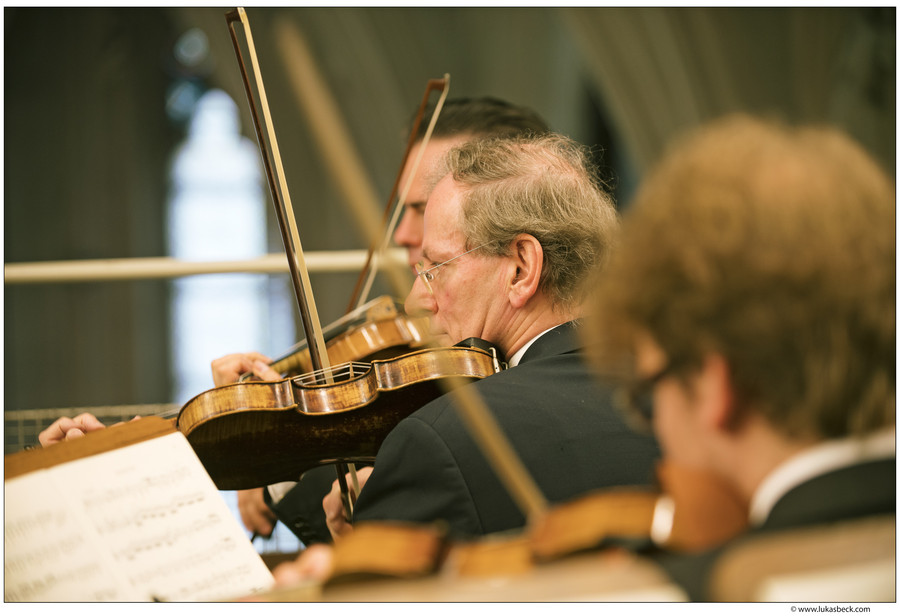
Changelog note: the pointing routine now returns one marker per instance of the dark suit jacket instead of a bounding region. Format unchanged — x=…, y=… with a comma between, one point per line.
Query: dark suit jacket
x=559, y=421
x=853, y=492
x=301, y=508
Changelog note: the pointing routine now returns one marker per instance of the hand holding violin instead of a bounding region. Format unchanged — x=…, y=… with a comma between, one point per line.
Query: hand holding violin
x=255, y=513
x=334, y=508
x=68, y=428
x=230, y=368
x=225, y=370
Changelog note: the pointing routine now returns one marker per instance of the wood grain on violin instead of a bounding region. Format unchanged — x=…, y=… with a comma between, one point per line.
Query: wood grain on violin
x=259, y=433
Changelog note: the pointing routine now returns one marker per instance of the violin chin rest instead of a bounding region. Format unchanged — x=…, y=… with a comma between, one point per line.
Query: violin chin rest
x=484, y=345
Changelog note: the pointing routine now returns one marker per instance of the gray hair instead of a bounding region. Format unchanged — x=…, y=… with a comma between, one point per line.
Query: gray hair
x=543, y=186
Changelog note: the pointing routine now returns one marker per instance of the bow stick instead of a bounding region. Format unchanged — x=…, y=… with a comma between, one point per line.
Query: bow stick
x=368, y=273
x=286, y=221
x=320, y=108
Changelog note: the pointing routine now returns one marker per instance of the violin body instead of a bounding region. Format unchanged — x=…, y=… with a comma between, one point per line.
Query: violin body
x=259, y=433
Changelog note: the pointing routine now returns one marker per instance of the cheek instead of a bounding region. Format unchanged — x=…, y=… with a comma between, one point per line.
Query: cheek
x=460, y=307
x=673, y=425
x=450, y=310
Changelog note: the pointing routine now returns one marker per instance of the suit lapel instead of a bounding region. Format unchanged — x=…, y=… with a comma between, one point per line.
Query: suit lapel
x=559, y=340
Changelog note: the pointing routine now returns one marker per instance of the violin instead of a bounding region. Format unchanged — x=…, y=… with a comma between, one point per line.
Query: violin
x=260, y=433
x=377, y=330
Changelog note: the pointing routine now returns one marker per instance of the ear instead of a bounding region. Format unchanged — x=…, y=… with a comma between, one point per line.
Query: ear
x=715, y=394
x=528, y=263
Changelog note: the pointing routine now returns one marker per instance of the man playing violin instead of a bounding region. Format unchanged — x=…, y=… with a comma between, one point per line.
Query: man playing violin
x=460, y=120
x=512, y=229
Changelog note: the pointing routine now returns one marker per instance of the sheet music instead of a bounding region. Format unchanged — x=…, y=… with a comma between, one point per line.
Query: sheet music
x=138, y=523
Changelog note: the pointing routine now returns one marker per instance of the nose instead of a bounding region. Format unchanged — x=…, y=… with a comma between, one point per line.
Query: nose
x=409, y=234
x=419, y=301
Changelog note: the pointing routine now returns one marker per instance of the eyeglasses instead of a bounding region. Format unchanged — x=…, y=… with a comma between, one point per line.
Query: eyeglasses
x=426, y=274
x=636, y=400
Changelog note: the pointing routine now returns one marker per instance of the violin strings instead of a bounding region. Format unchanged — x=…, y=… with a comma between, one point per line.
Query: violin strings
x=340, y=372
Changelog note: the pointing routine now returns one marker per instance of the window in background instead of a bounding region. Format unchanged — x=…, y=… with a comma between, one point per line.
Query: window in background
x=217, y=212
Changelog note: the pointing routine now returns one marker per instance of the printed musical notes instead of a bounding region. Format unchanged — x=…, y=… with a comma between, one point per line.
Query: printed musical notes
x=133, y=524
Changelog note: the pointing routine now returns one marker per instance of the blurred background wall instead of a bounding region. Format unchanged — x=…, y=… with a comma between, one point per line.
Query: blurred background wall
x=99, y=105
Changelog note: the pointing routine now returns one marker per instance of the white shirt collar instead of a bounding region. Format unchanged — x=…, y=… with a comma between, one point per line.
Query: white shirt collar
x=817, y=460
x=517, y=356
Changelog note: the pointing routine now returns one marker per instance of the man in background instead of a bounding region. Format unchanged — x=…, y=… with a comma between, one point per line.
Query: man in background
x=755, y=291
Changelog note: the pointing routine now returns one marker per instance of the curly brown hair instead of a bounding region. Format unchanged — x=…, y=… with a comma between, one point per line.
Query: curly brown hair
x=773, y=246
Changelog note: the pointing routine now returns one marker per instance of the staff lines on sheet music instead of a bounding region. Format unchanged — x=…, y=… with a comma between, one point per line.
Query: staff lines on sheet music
x=212, y=584
x=178, y=507
x=190, y=562
x=29, y=589
x=23, y=527
x=152, y=510
x=152, y=543
x=94, y=496
x=22, y=561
